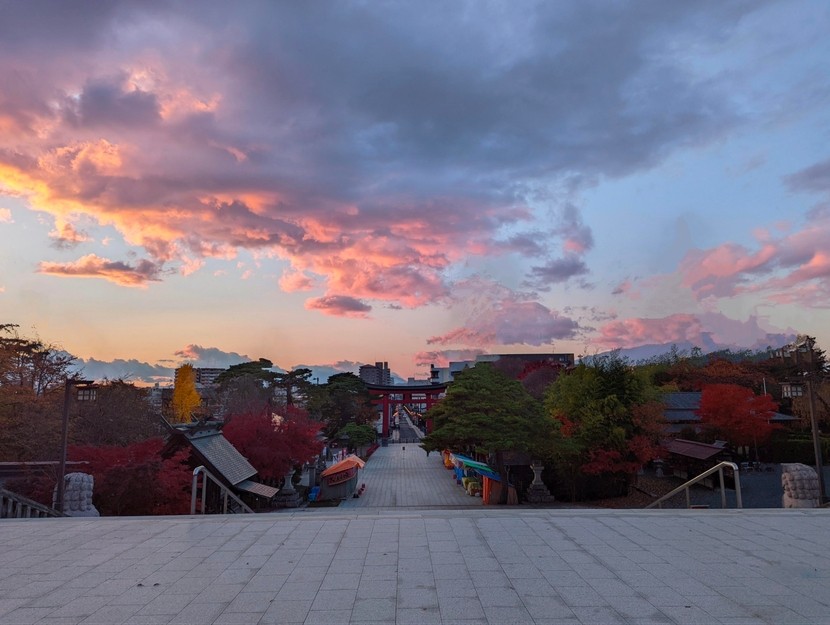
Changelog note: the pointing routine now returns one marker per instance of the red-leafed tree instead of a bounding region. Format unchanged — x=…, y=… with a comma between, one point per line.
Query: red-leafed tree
x=736, y=414
x=136, y=479
x=274, y=443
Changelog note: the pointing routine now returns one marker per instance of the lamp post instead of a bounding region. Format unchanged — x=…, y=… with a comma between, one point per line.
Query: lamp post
x=86, y=392
x=796, y=389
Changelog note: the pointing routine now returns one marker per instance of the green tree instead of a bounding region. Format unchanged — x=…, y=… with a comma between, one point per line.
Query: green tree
x=186, y=398
x=292, y=383
x=359, y=436
x=487, y=411
x=607, y=419
x=343, y=399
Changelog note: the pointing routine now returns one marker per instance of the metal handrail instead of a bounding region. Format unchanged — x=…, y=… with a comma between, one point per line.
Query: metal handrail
x=685, y=486
x=222, y=489
x=14, y=506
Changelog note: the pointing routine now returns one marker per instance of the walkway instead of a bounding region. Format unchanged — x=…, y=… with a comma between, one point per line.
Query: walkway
x=476, y=566
x=401, y=475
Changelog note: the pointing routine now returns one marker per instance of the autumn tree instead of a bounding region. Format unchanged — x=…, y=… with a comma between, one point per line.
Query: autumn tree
x=487, y=411
x=186, y=398
x=135, y=479
x=607, y=423
x=120, y=415
x=273, y=443
x=734, y=413
x=32, y=375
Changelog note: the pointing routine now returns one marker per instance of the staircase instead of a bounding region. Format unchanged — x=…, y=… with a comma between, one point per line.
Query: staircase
x=14, y=506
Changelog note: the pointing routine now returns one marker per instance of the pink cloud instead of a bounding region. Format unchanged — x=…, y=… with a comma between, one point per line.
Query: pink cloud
x=339, y=306
x=708, y=330
x=118, y=272
x=499, y=316
x=794, y=268
x=292, y=281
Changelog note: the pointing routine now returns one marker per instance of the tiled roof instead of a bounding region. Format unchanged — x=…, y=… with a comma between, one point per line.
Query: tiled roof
x=257, y=489
x=682, y=400
x=224, y=457
x=692, y=449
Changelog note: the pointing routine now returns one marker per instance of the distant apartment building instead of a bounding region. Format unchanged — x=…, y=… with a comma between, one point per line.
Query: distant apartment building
x=377, y=373
x=205, y=376
x=442, y=375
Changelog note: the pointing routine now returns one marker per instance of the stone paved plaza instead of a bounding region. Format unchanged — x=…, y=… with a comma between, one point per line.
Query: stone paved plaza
x=378, y=561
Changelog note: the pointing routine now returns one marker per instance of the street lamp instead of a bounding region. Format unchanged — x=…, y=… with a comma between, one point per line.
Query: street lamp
x=796, y=389
x=86, y=392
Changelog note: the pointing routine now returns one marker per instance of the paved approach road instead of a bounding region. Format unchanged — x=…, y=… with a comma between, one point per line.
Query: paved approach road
x=402, y=476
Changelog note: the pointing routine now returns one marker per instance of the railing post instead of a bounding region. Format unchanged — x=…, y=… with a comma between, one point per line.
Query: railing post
x=738, y=501
x=688, y=499
x=722, y=489
x=204, y=492
x=194, y=486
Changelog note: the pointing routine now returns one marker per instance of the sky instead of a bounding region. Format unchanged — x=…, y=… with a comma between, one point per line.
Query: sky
x=327, y=184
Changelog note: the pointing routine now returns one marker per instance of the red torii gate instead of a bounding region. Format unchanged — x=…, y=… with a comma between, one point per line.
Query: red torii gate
x=389, y=396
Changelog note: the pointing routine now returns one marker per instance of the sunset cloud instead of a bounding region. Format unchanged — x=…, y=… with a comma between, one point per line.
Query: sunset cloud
x=5, y=216
x=709, y=331
x=135, y=133
x=442, y=358
x=118, y=272
x=339, y=306
x=210, y=356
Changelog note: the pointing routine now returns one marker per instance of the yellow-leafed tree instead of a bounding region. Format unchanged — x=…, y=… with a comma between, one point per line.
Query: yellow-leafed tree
x=186, y=398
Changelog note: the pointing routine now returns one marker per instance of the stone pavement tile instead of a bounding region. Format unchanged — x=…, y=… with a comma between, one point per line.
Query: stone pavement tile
x=251, y=602
x=611, y=587
x=499, y=598
x=111, y=614
x=340, y=581
x=482, y=564
x=418, y=616
x=489, y=579
x=386, y=571
x=414, y=564
x=458, y=608
x=661, y=596
x=686, y=614
x=54, y=599
x=283, y=612
x=33, y=588
x=417, y=598
x=592, y=570
x=58, y=620
x=334, y=600
x=376, y=589
x=83, y=606
x=783, y=615
x=219, y=593
x=451, y=621
x=327, y=617
x=634, y=607
x=380, y=609
x=551, y=563
x=140, y=595
x=238, y=618
x=308, y=574
x=547, y=607
x=248, y=562
x=598, y=615
x=292, y=591
x=580, y=596
x=523, y=570
x=198, y=612
x=508, y=616
x=167, y=604
x=346, y=566
x=537, y=587
x=416, y=579
x=447, y=588
x=316, y=559
x=235, y=576
x=25, y=616
x=262, y=583
x=450, y=571
x=9, y=605
x=187, y=584
x=720, y=607
x=381, y=558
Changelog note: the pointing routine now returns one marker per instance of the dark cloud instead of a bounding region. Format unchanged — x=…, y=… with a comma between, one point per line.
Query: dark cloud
x=200, y=356
x=107, y=103
x=813, y=178
x=556, y=271
x=339, y=306
x=378, y=161
x=92, y=266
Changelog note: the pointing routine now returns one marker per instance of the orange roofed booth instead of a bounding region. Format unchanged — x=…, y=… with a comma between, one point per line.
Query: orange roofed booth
x=339, y=481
